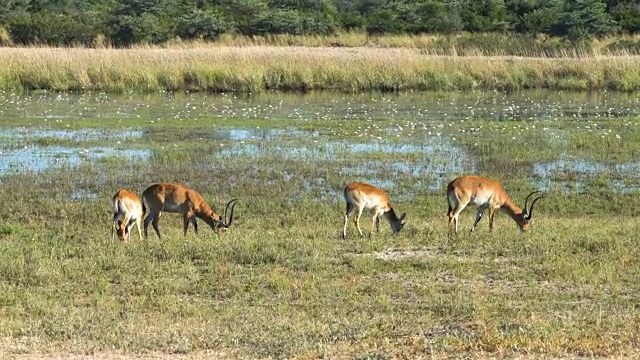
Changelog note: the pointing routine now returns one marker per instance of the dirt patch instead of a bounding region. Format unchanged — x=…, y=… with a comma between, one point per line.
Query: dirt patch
x=401, y=254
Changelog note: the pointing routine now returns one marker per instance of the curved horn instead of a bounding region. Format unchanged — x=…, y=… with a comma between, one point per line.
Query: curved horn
x=531, y=209
x=224, y=217
x=233, y=205
x=525, y=211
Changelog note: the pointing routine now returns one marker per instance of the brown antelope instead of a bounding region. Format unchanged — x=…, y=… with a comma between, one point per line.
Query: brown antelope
x=485, y=194
x=127, y=210
x=176, y=198
x=360, y=196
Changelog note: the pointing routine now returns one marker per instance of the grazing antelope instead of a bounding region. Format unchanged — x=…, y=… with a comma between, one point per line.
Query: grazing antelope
x=127, y=210
x=362, y=196
x=176, y=198
x=485, y=193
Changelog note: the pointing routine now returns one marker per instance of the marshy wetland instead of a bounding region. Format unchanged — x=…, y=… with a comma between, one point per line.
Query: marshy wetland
x=282, y=282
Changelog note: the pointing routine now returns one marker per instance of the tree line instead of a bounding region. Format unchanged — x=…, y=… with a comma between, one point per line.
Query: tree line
x=127, y=22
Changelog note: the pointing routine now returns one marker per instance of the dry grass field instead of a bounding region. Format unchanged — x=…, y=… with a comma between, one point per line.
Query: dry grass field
x=255, y=69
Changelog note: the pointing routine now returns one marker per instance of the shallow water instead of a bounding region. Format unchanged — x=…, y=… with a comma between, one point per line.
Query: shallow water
x=563, y=166
x=388, y=143
x=549, y=175
x=54, y=108
x=41, y=158
x=25, y=133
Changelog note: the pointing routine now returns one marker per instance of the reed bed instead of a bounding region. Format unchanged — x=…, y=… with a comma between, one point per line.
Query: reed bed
x=461, y=44
x=260, y=68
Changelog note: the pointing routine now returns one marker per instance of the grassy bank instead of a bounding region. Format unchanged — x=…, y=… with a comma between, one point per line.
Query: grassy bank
x=461, y=44
x=259, y=68
x=283, y=283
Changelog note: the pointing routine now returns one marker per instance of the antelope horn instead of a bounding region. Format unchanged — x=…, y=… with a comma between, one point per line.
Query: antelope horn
x=231, y=216
x=527, y=200
x=224, y=217
x=531, y=209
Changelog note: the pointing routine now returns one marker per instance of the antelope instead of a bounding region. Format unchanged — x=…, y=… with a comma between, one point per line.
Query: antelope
x=127, y=210
x=485, y=193
x=176, y=198
x=362, y=196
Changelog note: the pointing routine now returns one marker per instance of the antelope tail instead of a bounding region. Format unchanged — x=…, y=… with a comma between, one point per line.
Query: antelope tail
x=144, y=207
x=449, y=190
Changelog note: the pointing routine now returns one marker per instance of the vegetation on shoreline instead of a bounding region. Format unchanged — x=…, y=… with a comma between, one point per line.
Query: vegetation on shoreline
x=461, y=44
x=257, y=69
x=123, y=23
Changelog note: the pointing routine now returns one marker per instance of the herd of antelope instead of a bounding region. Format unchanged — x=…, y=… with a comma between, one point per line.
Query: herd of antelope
x=175, y=198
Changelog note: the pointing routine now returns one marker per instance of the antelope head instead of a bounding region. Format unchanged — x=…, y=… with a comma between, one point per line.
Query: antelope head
x=224, y=224
x=528, y=213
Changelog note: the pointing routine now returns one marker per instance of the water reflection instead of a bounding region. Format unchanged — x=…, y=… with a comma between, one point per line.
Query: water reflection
x=37, y=158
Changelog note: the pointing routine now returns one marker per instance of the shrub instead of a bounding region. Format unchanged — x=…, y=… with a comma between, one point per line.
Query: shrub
x=203, y=24
x=49, y=28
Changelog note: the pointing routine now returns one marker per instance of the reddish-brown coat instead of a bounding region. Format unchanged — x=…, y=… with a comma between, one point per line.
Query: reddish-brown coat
x=176, y=198
x=360, y=196
x=485, y=194
x=128, y=208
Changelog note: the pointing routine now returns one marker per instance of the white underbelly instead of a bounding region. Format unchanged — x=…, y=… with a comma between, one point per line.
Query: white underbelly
x=373, y=205
x=480, y=201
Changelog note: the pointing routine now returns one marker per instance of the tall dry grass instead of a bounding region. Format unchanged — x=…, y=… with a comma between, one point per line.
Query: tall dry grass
x=461, y=44
x=294, y=68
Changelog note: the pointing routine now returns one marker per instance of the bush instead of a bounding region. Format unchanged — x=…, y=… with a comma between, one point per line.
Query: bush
x=201, y=24
x=137, y=29
x=48, y=28
x=292, y=22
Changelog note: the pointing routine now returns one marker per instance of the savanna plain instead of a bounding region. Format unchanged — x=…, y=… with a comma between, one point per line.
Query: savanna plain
x=282, y=282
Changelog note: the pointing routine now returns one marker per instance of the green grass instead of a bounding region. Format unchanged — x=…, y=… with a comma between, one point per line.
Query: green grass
x=266, y=290
x=282, y=282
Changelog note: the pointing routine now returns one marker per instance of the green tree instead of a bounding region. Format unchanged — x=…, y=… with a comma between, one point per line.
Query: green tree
x=203, y=24
x=543, y=19
x=245, y=13
x=134, y=21
x=584, y=19
x=9, y=7
x=382, y=21
x=437, y=16
x=483, y=16
x=627, y=15
x=44, y=27
x=517, y=11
